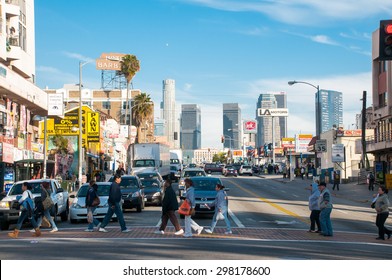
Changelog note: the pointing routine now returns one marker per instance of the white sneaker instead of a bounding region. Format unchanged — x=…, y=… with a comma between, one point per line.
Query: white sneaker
x=199, y=230
x=228, y=232
x=32, y=230
x=125, y=230
x=54, y=230
x=101, y=229
x=208, y=231
x=181, y=231
x=159, y=232
x=89, y=230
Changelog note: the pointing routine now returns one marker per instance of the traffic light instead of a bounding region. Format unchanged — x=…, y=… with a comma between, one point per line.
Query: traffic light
x=385, y=52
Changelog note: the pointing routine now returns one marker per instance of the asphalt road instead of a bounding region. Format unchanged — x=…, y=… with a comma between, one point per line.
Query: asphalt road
x=269, y=219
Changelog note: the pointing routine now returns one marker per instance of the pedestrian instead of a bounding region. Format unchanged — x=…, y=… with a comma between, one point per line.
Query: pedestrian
x=314, y=207
x=325, y=204
x=189, y=223
x=46, y=192
x=221, y=208
x=120, y=170
x=169, y=206
x=336, y=180
x=371, y=179
x=92, y=193
x=381, y=206
x=114, y=202
x=302, y=172
x=27, y=204
x=284, y=171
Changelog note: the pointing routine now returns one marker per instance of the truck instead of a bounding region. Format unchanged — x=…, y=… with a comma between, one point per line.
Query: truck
x=150, y=157
x=9, y=205
x=175, y=164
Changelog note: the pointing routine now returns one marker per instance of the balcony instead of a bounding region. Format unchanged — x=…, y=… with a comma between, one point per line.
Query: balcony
x=379, y=143
x=13, y=8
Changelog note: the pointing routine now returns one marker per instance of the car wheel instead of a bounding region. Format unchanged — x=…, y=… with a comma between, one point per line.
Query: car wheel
x=209, y=171
x=4, y=225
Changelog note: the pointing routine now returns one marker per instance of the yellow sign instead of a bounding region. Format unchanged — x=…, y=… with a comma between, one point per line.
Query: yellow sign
x=93, y=126
x=388, y=181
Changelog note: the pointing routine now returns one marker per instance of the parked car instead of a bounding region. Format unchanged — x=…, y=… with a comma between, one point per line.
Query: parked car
x=189, y=173
x=9, y=206
x=246, y=170
x=152, y=191
x=132, y=192
x=212, y=167
x=205, y=194
x=230, y=170
x=78, y=210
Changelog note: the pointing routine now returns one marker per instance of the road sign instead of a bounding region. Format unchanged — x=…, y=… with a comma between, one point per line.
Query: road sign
x=273, y=112
x=321, y=146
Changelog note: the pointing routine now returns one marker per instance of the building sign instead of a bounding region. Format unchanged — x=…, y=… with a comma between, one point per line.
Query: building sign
x=250, y=126
x=338, y=153
x=237, y=153
x=272, y=112
x=93, y=126
x=302, y=142
x=349, y=133
x=288, y=142
x=55, y=104
x=109, y=61
x=8, y=153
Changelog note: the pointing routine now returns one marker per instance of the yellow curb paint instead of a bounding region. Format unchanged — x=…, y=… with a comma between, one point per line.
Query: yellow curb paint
x=280, y=208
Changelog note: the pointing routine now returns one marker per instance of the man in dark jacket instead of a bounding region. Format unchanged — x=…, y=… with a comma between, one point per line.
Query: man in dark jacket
x=169, y=206
x=114, y=202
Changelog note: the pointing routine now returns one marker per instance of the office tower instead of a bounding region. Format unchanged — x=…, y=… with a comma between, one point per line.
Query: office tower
x=264, y=127
x=281, y=98
x=232, y=126
x=169, y=109
x=190, y=127
x=159, y=127
x=331, y=107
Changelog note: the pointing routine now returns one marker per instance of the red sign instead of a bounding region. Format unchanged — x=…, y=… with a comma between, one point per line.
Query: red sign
x=250, y=125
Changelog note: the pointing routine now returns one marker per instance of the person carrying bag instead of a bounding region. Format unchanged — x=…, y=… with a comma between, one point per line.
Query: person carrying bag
x=92, y=202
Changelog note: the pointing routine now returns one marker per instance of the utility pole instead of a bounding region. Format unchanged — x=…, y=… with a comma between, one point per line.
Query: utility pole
x=365, y=160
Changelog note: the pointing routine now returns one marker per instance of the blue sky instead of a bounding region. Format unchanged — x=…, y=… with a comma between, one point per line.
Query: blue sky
x=218, y=51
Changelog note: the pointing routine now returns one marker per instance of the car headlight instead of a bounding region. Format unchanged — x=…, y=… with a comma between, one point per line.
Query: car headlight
x=5, y=204
x=136, y=194
x=156, y=194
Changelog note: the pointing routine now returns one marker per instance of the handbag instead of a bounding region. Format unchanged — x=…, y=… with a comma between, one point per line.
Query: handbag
x=89, y=216
x=47, y=202
x=96, y=201
x=373, y=205
x=185, y=208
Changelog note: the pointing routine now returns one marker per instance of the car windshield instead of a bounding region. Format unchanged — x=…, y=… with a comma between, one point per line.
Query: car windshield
x=173, y=168
x=246, y=166
x=129, y=183
x=194, y=173
x=17, y=188
x=144, y=163
x=229, y=167
x=205, y=185
x=150, y=183
x=103, y=190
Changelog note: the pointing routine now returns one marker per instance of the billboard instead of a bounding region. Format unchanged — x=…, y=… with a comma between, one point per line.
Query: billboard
x=302, y=142
x=250, y=126
x=273, y=112
x=109, y=61
x=338, y=153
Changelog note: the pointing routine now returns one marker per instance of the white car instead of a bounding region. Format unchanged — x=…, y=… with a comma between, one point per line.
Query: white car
x=246, y=170
x=78, y=210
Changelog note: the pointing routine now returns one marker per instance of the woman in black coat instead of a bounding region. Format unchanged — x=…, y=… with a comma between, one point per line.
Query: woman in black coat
x=169, y=206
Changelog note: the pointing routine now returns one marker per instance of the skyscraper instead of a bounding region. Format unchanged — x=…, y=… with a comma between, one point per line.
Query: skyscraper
x=232, y=125
x=168, y=107
x=264, y=128
x=190, y=127
x=331, y=107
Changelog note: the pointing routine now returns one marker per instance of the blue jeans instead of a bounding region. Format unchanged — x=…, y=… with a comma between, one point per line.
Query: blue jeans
x=95, y=221
x=114, y=208
x=227, y=221
x=48, y=217
x=21, y=219
x=325, y=221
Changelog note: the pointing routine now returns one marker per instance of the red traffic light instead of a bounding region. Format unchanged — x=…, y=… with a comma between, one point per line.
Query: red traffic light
x=388, y=29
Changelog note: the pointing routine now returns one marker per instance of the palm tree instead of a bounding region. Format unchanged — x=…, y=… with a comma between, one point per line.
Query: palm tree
x=143, y=109
x=129, y=66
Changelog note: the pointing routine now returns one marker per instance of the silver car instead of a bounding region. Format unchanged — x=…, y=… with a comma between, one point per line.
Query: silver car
x=246, y=170
x=78, y=210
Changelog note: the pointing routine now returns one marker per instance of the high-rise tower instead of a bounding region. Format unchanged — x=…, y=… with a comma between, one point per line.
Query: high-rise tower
x=190, y=127
x=232, y=125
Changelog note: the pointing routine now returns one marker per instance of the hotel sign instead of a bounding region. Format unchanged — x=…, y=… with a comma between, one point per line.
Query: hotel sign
x=109, y=61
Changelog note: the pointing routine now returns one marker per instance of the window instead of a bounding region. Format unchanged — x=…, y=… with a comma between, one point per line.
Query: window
x=3, y=118
x=106, y=105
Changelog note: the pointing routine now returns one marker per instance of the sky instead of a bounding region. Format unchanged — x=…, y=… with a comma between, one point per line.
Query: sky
x=218, y=51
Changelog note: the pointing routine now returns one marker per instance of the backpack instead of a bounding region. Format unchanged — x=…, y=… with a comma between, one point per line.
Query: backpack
x=371, y=176
x=337, y=176
x=28, y=205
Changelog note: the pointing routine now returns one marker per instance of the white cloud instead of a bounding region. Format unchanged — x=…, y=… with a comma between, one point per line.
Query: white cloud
x=187, y=87
x=323, y=39
x=78, y=56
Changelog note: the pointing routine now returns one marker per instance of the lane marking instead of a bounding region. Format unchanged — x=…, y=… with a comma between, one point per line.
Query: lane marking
x=280, y=208
x=235, y=219
x=295, y=195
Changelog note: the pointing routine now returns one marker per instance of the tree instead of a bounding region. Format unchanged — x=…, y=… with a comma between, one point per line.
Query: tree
x=129, y=66
x=219, y=157
x=143, y=109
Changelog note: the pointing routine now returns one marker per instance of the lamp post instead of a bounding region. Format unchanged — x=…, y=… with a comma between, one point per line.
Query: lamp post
x=318, y=113
x=81, y=64
x=45, y=119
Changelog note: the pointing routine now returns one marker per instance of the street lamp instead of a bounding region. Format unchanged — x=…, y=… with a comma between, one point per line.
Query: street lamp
x=318, y=113
x=45, y=119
